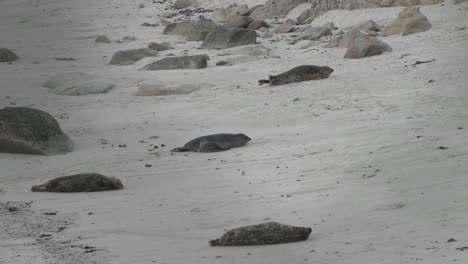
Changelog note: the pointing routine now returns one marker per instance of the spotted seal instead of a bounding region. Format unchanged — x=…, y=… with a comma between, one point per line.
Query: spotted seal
x=299, y=74
x=84, y=182
x=213, y=143
x=262, y=234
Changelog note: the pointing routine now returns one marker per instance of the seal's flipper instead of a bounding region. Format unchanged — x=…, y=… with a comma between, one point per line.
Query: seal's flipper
x=179, y=149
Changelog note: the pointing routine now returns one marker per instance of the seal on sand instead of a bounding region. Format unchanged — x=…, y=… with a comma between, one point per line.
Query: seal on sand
x=299, y=74
x=85, y=182
x=262, y=234
x=215, y=142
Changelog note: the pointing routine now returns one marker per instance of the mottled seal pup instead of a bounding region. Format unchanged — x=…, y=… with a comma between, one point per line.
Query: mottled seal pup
x=299, y=74
x=85, y=182
x=31, y=131
x=262, y=234
x=213, y=143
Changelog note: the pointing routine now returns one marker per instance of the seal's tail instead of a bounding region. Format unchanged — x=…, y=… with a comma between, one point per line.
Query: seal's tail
x=262, y=82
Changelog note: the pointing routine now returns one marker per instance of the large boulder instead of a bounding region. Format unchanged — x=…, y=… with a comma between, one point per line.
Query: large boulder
x=315, y=33
x=182, y=62
x=410, y=21
x=229, y=37
x=349, y=37
x=257, y=24
x=26, y=130
x=284, y=28
x=221, y=15
x=7, y=55
x=194, y=30
x=366, y=47
x=127, y=57
x=238, y=21
x=276, y=8
x=300, y=13
x=77, y=83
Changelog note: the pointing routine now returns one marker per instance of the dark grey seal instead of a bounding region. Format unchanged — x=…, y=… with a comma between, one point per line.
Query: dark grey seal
x=84, y=182
x=31, y=131
x=262, y=234
x=213, y=143
x=299, y=74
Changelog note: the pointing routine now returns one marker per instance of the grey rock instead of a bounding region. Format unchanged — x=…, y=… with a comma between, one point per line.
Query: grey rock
x=315, y=33
x=126, y=39
x=7, y=55
x=262, y=234
x=180, y=4
x=349, y=37
x=334, y=41
x=368, y=25
x=276, y=8
x=159, y=46
x=27, y=130
x=181, y=62
x=127, y=57
x=225, y=141
x=229, y=37
x=409, y=21
x=257, y=24
x=102, y=39
x=84, y=182
x=238, y=21
x=194, y=30
x=366, y=47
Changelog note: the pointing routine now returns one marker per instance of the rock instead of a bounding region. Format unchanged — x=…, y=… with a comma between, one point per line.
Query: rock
x=224, y=140
x=334, y=41
x=223, y=63
x=257, y=24
x=276, y=8
x=77, y=83
x=159, y=47
x=349, y=37
x=160, y=90
x=182, y=62
x=366, y=47
x=180, y=4
x=300, y=13
x=194, y=30
x=102, y=39
x=229, y=37
x=410, y=21
x=262, y=234
x=315, y=33
x=238, y=21
x=168, y=14
x=27, y=130
x=127, y=57
x=7, y=55
x=95, y=86
x=126, y=39
x=220, y=15
x=368, y=25
x=284, y=28
x=84, y=182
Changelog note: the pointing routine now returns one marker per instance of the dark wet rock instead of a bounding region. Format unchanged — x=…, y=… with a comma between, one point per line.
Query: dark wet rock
x=224, y=142
x=127, y=57
x=27, y=130
x=194, y=30
x=85, y=182
x=366, y=47
x=262, y=234
x=181, y=62
x=6, y=55
x=102, y=39
x=229, y=37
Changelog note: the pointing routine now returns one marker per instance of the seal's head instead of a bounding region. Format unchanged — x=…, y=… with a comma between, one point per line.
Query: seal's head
x=244, y=137
x=326, y=71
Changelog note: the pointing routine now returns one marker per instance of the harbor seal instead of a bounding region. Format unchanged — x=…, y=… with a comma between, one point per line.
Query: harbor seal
x=299, y=74
x=262, y=234
x=84, y=182
x=27, y=130
x=215, y=142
